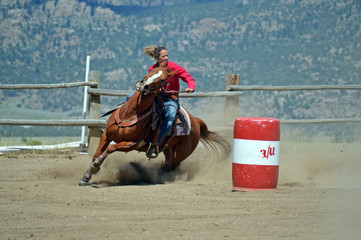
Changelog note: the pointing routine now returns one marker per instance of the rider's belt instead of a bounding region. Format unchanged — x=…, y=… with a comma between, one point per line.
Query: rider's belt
x=174, y=97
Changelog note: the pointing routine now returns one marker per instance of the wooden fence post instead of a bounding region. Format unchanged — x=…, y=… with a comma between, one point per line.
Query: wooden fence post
x=94, y=133
x=231, y=104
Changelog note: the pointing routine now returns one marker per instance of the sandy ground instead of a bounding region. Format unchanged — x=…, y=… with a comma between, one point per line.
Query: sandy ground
x=318, y=197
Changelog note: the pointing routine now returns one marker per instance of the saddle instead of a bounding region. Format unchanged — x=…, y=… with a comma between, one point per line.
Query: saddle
x=181, y=125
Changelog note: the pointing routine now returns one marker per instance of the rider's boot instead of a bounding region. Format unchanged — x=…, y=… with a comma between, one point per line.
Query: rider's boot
x=153, y=150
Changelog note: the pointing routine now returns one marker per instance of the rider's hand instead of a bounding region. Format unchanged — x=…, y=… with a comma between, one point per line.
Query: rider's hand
x=188, y=90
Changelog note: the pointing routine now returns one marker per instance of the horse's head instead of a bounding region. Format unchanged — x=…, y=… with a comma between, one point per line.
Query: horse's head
x=155, y=79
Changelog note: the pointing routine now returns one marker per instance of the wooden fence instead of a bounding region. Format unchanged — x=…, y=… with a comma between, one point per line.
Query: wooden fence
x=94, y=123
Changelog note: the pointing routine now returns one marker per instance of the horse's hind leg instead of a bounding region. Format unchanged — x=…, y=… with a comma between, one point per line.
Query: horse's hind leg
x=168, y=154
x=175, y=155
x=181, y=150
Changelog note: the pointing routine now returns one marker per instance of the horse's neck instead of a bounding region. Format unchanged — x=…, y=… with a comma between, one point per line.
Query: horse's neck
x=140, y=103
x=145, y=102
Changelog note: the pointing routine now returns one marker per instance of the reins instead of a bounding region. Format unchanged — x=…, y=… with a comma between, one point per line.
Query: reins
x=172, y=91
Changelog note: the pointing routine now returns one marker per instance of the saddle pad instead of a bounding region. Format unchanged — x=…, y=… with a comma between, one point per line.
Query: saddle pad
x=183, y=124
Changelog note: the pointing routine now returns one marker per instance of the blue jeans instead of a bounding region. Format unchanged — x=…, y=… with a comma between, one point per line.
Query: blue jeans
x=170, y=109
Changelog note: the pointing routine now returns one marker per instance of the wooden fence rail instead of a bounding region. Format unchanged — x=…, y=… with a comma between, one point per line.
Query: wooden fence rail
x=71, y=122
x=292, y=88
x=46, y=86
x=316, y=121
x=107, y=92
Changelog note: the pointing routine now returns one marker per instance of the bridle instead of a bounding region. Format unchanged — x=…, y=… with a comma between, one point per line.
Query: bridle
x=149, y=89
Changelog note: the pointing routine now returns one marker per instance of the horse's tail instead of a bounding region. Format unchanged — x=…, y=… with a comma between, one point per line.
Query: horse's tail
x=214, y=140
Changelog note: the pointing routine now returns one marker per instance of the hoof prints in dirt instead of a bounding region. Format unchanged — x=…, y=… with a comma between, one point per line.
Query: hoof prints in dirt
x=136, y=174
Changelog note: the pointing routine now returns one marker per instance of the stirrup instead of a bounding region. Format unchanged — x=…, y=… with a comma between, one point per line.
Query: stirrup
x=153, y=150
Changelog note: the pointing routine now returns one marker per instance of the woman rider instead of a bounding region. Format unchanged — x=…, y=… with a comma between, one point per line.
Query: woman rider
x=169, y=94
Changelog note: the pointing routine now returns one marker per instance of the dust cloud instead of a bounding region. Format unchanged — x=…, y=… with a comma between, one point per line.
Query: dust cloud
x=134, y=168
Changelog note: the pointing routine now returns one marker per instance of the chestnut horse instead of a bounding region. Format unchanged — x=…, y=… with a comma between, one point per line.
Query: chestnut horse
x=129, y=127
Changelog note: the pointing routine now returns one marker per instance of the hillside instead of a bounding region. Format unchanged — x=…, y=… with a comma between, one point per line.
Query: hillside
x=266, y=42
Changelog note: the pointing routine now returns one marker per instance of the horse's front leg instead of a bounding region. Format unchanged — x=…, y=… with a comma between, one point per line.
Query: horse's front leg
x=93, y=168
x=97, y=162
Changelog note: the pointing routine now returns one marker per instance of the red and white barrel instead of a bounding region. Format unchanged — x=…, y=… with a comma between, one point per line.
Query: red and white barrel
x=256, y=150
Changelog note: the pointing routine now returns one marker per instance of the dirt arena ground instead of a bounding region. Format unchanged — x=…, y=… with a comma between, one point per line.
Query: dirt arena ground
x=318, y=197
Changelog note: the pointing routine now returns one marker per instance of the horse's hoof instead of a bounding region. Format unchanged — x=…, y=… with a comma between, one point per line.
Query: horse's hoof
x=83, y=182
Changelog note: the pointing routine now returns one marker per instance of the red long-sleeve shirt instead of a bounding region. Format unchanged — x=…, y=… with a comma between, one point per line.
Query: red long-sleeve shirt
x=172, y=83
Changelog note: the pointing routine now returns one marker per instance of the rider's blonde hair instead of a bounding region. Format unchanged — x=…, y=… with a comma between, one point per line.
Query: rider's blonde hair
x=154, y=51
